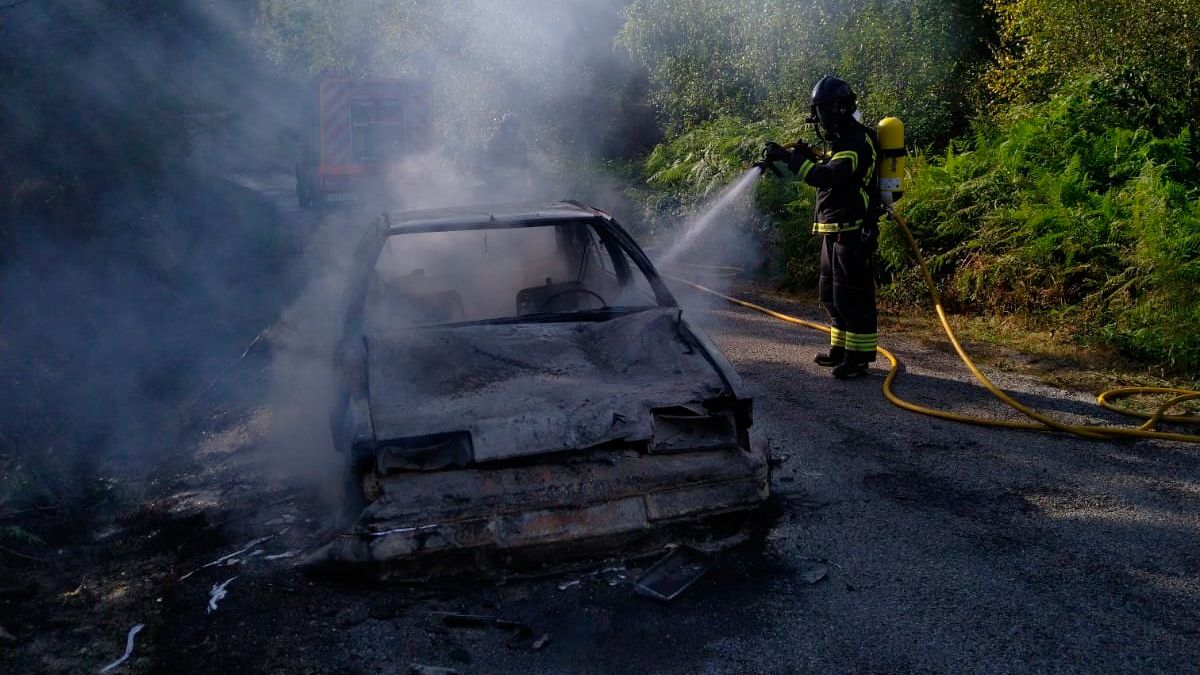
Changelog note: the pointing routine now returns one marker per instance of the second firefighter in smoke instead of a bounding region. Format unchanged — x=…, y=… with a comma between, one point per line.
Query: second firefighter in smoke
x=846, y=216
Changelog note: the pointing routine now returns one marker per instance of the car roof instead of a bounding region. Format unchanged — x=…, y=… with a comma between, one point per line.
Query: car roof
x=486, y=216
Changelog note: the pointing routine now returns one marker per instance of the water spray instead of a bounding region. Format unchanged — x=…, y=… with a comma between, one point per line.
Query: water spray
x=708, y=217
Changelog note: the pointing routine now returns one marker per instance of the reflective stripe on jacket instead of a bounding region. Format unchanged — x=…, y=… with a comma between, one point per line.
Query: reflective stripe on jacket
x=847, y=183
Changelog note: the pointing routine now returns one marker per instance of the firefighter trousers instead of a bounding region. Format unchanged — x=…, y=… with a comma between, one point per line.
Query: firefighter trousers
x=847, y=289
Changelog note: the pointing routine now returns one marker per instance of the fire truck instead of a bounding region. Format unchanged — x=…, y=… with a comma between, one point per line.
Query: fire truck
x=355, y=129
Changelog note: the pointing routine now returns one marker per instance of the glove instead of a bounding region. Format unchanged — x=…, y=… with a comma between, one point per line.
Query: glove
x=774, y=152
x=802, y=151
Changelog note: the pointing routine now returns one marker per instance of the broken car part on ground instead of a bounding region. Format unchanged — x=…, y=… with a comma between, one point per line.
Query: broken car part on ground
x=519, y=385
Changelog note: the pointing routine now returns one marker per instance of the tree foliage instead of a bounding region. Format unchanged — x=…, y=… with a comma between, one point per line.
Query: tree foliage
x=1045, y=43
x=723, y=57
x=1149, y=51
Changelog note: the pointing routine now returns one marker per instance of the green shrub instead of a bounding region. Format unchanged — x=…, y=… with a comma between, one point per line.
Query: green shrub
x=1064, y=214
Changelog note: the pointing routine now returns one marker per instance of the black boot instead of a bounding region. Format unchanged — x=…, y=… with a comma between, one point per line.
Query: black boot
x=857, y=364
x=835, y=356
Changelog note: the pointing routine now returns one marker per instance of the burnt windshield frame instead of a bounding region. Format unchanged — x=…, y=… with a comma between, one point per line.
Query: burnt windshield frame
x=606, y=228
x=370, y=247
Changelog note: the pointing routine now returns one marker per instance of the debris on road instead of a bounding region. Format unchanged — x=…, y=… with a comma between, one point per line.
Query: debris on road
x=814, y=572
x=455, y=620
x=519, y=637
x=258, y=339
x=217, y=594
x=815, y=569
x=522, y=633
x=421, y=669
x=128, y=648
x=614, y=574
x=230, y=559
x=672, y=575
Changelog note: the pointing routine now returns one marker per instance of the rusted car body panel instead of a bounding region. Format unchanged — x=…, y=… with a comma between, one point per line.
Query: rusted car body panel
x=548, y=439
x=618, y=497
x=537, y=388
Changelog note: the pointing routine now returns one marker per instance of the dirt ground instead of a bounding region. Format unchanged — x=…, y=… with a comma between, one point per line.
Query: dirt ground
x=947, y=549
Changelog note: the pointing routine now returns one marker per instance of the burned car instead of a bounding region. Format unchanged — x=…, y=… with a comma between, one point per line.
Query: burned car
x=518, y=385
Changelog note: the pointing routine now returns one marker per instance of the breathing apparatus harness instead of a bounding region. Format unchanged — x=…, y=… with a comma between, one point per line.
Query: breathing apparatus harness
x=833, y=116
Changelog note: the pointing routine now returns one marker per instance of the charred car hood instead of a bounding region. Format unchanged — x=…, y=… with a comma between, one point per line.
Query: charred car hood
x=534, y=388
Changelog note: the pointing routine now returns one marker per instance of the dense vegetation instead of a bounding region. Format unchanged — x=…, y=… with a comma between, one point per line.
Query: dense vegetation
x=1056, y=170
x=1071, y=215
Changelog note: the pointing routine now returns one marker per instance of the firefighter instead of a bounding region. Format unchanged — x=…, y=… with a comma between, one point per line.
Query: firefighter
x=507, y=147
x=846, y=216
x=506, y=168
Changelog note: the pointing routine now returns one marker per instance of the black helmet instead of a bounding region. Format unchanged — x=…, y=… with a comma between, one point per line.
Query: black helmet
x=832, y=103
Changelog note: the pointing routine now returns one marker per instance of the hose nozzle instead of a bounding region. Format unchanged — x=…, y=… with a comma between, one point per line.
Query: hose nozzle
x=764, y=165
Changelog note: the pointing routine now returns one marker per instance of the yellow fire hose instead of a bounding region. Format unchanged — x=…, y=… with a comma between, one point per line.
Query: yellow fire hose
x=1040, y=422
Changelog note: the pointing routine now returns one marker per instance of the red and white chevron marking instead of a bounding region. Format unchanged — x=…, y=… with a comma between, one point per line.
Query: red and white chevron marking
x=335, y=121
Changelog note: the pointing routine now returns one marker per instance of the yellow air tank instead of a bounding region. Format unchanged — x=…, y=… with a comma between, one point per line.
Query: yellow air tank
x=891, y=161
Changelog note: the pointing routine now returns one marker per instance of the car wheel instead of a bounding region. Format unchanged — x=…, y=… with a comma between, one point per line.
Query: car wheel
x=303, y=189
x=354, y=498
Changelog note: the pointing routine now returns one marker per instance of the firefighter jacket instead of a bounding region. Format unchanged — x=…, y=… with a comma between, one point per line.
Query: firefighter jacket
x=847, y=182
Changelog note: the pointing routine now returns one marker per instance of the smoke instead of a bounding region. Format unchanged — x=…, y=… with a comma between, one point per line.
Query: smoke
x=135, y=265
x=571, y=98
x=301, y=380
x=149, y=230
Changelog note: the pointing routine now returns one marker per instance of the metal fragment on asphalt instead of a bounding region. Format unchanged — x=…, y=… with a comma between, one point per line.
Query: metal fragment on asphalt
x=613, y=574
x=217, y=594
x=814, y=572
x=816, y=569
x=128, y=648
x=230, y=556
x=458, y=620
x=519, y=636
x=671, y=576
x=422, y=669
